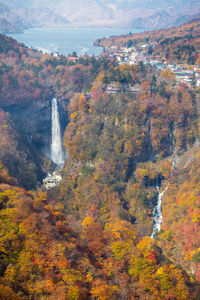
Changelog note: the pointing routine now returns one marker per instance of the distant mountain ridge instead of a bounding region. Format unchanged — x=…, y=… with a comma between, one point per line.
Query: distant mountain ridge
x=162, y=19
x=16, y=19
x=8, y=27
x=148, y=14
x=9, y=21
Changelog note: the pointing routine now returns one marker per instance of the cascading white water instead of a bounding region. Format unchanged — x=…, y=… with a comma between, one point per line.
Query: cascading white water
x=56, y=141
x=157, y=212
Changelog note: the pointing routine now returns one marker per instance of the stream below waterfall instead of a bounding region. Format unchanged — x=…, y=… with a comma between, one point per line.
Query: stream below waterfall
x=157, y=212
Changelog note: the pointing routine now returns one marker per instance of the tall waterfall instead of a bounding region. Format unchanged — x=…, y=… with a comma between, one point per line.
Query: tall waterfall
x=157, y=212
x=56, y=141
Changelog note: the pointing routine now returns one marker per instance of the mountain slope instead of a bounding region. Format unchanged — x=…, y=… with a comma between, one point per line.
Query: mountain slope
x=162, y=19
x=136, y=14
x=16, y=19
x=9, y=21
x=179, y=44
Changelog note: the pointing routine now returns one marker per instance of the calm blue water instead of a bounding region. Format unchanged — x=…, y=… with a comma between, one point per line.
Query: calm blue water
x=65, y=40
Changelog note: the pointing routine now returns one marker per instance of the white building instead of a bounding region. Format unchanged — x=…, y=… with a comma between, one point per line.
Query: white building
x=52, y=180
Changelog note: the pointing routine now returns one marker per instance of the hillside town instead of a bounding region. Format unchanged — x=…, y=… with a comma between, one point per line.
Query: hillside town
x=134, y=55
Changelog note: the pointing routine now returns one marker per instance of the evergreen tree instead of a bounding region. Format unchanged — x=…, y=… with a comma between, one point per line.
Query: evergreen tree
x=153, y=86
x=194, y=80
x=162, y=89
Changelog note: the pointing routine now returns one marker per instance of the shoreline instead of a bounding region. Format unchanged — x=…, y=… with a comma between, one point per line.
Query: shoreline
x=66, y=39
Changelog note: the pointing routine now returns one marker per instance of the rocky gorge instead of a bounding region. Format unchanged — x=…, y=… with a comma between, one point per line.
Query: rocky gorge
x=28, y=128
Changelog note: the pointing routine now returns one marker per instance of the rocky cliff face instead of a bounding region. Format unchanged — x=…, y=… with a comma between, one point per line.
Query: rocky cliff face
x=25, y=139
x=33, y=121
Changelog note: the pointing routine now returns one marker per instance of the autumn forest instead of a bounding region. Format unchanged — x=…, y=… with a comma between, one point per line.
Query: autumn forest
x=90, y=237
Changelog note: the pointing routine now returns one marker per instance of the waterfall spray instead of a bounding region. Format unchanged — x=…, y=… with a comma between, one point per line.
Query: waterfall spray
x=56, y=141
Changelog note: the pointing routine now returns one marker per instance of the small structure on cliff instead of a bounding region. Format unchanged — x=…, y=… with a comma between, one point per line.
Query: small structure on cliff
x=52, y=180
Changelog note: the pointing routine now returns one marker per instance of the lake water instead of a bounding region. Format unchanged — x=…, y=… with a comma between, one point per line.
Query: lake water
x=65, y=40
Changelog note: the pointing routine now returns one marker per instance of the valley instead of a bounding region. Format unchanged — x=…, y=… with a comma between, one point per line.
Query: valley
x=120, y=219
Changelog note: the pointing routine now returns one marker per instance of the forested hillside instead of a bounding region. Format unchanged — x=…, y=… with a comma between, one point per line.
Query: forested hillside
x=130, y=132
x=176, y=44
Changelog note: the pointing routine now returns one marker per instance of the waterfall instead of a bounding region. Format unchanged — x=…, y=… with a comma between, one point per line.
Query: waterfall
x=56, y=141
x=157, y=212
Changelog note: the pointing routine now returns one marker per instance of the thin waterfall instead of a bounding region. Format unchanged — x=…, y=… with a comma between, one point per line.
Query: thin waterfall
x=157, y=212
x=57, y=155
